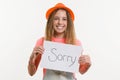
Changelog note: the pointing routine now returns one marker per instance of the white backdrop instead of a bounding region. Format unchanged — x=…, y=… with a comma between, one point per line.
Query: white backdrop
x=97, y=24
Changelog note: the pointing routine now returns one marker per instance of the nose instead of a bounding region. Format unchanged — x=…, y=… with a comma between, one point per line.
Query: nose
x=60, y=21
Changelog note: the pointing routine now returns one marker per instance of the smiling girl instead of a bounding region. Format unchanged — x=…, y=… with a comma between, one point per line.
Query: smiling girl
x=59, y=28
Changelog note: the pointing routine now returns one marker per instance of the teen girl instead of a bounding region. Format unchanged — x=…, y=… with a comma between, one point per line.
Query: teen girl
x=59, y=28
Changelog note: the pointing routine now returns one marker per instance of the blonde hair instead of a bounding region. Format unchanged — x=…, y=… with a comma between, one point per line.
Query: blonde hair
x=69, y=33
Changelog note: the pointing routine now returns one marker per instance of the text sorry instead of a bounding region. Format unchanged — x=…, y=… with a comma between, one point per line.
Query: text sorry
x=55, y=56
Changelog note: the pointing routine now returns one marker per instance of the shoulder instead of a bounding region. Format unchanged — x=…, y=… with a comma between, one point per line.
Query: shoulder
x=78, y=42
x=39, y=42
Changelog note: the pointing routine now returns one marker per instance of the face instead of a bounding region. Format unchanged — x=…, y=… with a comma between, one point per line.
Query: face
x=60, y=22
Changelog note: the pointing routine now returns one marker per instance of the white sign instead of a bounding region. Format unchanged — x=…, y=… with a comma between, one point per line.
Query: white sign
x=62, y=57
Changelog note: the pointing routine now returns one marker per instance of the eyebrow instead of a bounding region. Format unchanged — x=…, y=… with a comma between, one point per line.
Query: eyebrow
x=58, y=17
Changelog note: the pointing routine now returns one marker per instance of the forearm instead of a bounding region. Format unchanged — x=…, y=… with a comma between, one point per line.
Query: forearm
x=34, y=60
x=31, y=68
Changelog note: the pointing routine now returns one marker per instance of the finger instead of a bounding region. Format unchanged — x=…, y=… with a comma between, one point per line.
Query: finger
x=84, y=59
x=41, y=48
x=87, y=60
x=39, y=52
x=81, y=59
x=81, y=62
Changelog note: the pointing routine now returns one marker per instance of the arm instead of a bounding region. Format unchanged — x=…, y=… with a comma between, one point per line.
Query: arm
x=85, y=63
x=34, y=60
x=31, y=68
x=35, y=57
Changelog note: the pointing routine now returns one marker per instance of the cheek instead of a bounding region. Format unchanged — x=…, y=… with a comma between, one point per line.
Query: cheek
x=54, y=22
x=66, y=27
x=65, y=23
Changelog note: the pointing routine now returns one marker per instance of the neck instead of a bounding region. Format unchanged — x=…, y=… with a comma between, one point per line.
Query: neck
x=59, y=35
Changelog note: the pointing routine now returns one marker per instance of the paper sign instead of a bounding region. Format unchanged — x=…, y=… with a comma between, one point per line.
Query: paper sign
x=62, y=57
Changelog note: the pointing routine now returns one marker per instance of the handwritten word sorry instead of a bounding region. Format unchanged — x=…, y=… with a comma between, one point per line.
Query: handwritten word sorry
x=61, y=57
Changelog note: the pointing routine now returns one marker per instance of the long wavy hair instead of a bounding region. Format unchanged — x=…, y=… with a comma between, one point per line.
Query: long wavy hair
x=69, y=33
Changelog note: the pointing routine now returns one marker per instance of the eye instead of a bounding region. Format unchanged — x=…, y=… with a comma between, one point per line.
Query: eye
x=56, y=18
x=64, y=19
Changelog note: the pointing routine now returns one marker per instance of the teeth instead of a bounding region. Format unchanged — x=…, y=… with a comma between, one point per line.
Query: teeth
x=59, y=27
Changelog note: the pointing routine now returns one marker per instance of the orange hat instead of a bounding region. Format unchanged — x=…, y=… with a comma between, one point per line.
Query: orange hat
x=57, y=6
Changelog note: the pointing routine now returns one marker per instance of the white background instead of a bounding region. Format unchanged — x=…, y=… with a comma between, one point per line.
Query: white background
x=97, y=24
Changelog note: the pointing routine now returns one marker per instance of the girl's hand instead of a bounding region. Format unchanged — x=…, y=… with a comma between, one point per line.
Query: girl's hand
x=85, y=63
x=84, y=59
x=36, y=51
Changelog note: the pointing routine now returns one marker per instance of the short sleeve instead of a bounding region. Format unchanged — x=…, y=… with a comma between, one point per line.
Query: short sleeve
x=39, y=42
x=78, y=42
